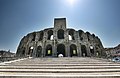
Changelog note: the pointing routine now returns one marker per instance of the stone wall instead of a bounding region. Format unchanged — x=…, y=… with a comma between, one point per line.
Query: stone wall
x=51, y=42
x=113, y=51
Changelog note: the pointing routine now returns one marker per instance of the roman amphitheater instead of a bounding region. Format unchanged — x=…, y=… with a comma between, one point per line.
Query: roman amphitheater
x=52, y=42
x=38, y=55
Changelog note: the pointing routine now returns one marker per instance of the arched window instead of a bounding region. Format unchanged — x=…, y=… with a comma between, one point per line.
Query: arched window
x=60, y=34
x=92, y=50
x=30, y=50
x=41, y=35
x=34, y=35
x=50, y=35
x=80, y=34
x=70, y=37
x=23, y=52
x=71, y=33
x=88, y=34
x=51, y=38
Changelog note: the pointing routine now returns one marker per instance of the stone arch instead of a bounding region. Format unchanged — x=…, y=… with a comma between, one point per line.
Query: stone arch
x=49, y=50
x=60, y=34
x=92, y=50
x=41, y=35
x=83, y=50
x=71, y=34
x=23, y=51
x=30, y=51
x=80, y=34
x=39, y=51
x=61, y=49
x=70, y=37
x=88, y=35
x=34, y=35
x=73, y=50
x=50, y=34
x=98, y=51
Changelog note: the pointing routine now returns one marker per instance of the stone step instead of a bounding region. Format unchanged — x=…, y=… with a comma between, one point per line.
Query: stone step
x=66, y=63
x=63, y=65
x=61, y=75
x=59, y=67
x=60, y=70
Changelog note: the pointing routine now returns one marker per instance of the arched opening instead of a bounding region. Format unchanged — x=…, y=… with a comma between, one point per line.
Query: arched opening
x=41, y=35
x=61, y=49
x=98, y=51
x=23, y=51
x=34, y=35
x=51, y=38
x=73, y=50
x=60, y=34
x=30, y=51
x=49, y=50
x=88, y=34
x=50, y=35
x=83, y=50
x=92, y=50
x=39, y=51
x=70, y=37
x=71, y=33
x=80, y=34
x=97, y=54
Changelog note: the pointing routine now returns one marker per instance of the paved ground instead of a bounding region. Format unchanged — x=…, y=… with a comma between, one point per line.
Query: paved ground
x=60, y=68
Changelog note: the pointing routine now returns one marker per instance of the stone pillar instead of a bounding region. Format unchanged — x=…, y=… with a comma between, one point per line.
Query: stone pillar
x=44, y=48
x=26, y=51
x=79, y=50
x=78, y=44
x=68, y=50
x=54, y=48
x=67, y=44
x=35, y=49
x=78, y=54
x=88, y=50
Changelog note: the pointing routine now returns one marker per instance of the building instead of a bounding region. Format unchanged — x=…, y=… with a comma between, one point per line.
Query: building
x=51, y=42
x=5, y=54
x=111, y=52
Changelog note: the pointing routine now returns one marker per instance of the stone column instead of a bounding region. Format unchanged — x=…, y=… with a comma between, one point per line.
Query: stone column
x=68, y=50
x=88, y=50
x=35, y=49
x=79, y=50
x=54, y=49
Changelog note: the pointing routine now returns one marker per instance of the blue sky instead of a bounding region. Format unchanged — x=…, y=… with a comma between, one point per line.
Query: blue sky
x=20, y=17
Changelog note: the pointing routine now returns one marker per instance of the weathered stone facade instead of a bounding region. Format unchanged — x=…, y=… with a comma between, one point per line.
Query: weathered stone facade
x=115, y=51
x=60, y=40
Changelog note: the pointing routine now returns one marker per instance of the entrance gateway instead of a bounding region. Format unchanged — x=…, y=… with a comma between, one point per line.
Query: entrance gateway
x=51, y=42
